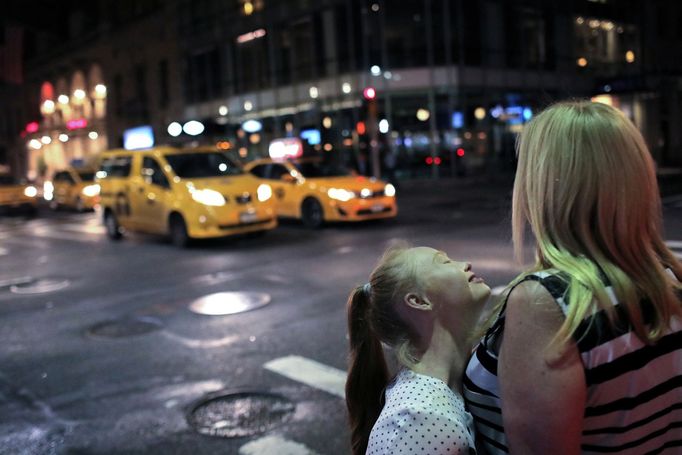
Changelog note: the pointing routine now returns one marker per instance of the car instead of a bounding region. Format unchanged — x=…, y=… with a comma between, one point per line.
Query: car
x=185, y=193
x=73, y=188
x=316, y=191
x=17, y=195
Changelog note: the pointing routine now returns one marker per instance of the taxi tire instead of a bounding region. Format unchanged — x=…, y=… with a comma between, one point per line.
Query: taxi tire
x=112, y=226
x=178, y=231
x=312, y=214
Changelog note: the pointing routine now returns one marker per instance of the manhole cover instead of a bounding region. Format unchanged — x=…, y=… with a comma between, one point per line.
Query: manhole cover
x=122, y=328
x=40, y=286
x=222, y=303
x=240, y=414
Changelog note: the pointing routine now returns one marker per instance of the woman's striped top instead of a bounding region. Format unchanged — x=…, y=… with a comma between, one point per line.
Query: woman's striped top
x=634, y=390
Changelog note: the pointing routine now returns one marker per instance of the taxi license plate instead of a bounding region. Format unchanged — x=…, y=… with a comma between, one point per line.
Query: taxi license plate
x=248, y=217
x=377, y=208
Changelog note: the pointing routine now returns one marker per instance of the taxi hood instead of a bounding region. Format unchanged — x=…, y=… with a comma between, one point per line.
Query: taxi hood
x=350, y=182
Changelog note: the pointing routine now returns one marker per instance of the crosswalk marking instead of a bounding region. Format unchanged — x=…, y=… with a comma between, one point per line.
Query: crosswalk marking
x=311, y=373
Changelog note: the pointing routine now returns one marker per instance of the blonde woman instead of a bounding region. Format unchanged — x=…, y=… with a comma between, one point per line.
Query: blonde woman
x=586, y=353
x=423, y=305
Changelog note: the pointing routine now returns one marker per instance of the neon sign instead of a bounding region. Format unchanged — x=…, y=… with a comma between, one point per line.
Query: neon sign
x=76, y=124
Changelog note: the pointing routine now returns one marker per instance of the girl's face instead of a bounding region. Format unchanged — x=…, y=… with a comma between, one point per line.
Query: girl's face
x=457, y=294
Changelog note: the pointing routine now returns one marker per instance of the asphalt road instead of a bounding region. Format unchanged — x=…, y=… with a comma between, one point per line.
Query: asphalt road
x=110, y=359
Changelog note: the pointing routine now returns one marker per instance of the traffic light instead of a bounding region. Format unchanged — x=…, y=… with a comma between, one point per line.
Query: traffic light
x=369, y=93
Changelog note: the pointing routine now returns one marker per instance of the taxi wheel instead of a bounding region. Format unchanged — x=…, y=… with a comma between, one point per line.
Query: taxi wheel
x=111, y=224
x=312, y=214
x=178, y=231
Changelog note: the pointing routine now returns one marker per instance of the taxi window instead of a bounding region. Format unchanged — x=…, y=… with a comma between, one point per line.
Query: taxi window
x=7, y=180
x=277, y=171
x=118, y=166
x=259, y=170
x=319, y=169
x=86, y=176
x=201, y=165
x=152, y=172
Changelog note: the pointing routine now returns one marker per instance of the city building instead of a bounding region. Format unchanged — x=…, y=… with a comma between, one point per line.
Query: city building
x=416, y=87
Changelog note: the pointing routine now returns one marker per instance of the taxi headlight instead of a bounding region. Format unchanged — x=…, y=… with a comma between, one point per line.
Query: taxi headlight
x=48, y=191
x=30, y=191
x=264, y=192
x=389, y=190
x=340, y=194
x=91, y=190
x=208, y=197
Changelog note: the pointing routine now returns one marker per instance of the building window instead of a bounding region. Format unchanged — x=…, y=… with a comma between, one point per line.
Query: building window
x=203, y=76
x=601, y=42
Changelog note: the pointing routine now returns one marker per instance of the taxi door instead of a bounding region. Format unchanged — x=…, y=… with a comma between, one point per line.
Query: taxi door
x=284, y=189
x=151, y=196
x=63, y=184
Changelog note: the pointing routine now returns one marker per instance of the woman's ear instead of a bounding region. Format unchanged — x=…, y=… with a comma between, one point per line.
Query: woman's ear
x=417, y=302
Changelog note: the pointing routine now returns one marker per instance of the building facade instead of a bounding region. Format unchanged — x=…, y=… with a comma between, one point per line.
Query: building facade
x=453, y=80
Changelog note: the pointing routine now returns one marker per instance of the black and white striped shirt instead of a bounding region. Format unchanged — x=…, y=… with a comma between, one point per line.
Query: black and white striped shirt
x=634, y=390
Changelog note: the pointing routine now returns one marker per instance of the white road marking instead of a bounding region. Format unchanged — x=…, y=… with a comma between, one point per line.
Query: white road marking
x=311, y=373
x=274, y=445
x=52, y=234
x=345, y=250
x=201, y=344
x=96, y=229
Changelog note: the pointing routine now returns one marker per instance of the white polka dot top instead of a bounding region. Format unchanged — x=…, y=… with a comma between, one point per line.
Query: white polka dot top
x=421, y=415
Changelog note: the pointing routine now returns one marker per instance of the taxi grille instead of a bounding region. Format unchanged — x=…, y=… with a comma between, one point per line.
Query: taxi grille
x=375, y=194
x=243, y=198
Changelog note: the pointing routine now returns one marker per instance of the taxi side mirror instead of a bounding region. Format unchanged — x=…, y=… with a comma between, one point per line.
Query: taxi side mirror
x=288, y=178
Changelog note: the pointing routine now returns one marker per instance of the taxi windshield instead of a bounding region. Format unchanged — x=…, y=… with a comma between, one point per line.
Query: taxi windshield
x=7, y=180
x=87, y=176
x=201, y=165
x=312, y=169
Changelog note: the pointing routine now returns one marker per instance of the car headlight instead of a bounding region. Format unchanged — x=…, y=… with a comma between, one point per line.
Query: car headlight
x=340, y=194
x=91, y=190
x=48, y=191
x=208, y=197
x=389, y=190
x=30, y=191
x=264, y=192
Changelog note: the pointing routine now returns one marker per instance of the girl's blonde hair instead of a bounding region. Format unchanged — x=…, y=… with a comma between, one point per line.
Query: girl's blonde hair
x=586, y=185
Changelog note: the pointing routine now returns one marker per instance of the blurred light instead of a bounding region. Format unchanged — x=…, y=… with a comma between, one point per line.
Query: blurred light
x=101, y=90
x=288, y=147
x=383, y=126
x=207, y=196
x=93, y=135
x=252, y=126
x=248, y=105
x=311, y=135
x=30, y=191
x=63, y=99
x=580, y=21
x=375, y=70
x=328, y=147
x=340, y=194
x=408, y=142
x=389, y=190
x=79, y=94
x=327, y=122
x=365, y=192
x=174, y=129
x=437, y=161
x=346, y=87
x=48, y=106
x=248, y=8
x=289, y=127
x=222, y=167
x=264, y=192
x=241, y=133
x=479, y=113
x=429, y=160
x=467, y=135
x=34, y=144
x=48, y=190
x=594, y=23
x=193, y=128
x=607, y=25
x=582, y=62
x=223, y=110
x=527, y=113
x=482, y=135
x=460, y=152
x=140, y=137
x=243, y=152
x=246, y=37
x=91, y=190
x=388, y=74
x=221, y=120
x=46, y=140
x=369, y=93
x=224, y=145
x=375, y=7
x=629, y=56
x=254, y=138
x=348, y=142
x=607, y=88
x=603, y=99
x=423, y=114
x=361, y=128
x=64, y=137
x=497, y=111
x=32, y=127
x=76, y=124
x=313, y=92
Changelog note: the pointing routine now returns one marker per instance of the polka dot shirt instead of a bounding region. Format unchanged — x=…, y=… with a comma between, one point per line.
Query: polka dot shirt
x=422, y=416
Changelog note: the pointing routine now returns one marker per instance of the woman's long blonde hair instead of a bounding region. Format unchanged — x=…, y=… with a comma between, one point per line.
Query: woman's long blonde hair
x=586, y=185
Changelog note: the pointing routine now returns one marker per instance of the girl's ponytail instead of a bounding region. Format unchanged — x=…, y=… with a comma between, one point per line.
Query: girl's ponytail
x=367, y=373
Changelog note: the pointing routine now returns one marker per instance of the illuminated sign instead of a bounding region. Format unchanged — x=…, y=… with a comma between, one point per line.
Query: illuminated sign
x=288, y=147
x=313, y=136
x=252, y=126
x=76, y=124
x=457, y=119
x=246, y=37
x=140, y=137
x=32, y=127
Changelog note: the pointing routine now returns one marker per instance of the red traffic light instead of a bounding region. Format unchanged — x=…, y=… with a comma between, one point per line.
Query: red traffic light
x=460, y=152
x=369, y=93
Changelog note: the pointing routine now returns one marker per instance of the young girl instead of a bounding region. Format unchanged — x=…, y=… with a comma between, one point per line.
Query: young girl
x=422, y=304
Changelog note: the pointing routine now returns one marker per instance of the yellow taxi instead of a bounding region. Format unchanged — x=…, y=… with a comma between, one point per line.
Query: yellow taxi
x=72, y=187
x=16, y=195
x=183, y=193
x=316, y=191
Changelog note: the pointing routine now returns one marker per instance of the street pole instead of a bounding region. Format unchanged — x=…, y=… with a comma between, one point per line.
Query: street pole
x=373, y=127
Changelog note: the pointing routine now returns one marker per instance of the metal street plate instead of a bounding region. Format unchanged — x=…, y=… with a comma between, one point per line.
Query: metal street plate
x=223, y=303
